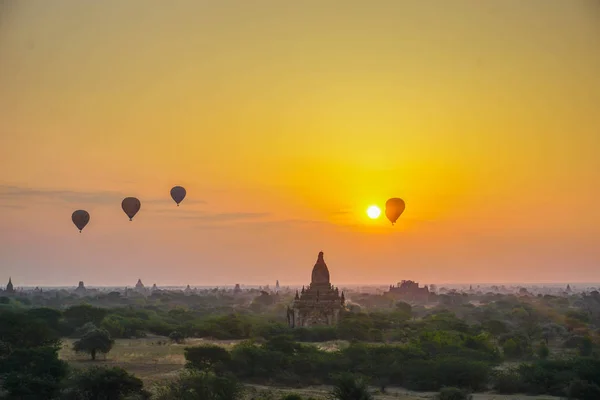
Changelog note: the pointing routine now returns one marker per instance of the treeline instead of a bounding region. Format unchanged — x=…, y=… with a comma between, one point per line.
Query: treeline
x=519, y=330
x=430, y=363
x=432, y=352
x=31, y=369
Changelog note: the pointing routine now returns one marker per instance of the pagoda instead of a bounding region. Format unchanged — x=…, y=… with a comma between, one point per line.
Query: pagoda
x=9, y=287
x=318, y=304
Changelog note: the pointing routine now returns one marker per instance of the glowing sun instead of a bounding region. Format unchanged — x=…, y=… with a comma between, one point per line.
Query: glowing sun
x=373, y=212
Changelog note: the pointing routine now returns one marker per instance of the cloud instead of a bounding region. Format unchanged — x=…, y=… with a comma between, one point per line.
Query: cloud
x=18, y=194
x=341, y=212
x=169, y=201
x=227, y=217
x=258, y=223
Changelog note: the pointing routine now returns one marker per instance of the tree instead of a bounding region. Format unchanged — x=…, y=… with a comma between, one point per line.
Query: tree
x=77, y=316
x=94, y=341
x=32, y=373
x=85, y=329
x=496, y=327
x=50, y=316
x=542, y=350
x=193, y=385
x=583, y=390
x=206, y=357
x=404, y=307
x=282, y=343
x=98, y=383
x=18, y=330
x=176, y=337
x=348, y=388
x=586, y=347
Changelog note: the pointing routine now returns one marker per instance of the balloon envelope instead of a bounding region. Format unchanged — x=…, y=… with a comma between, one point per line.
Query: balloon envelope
x=394, y=208
x=131, y=206
x=178, y=194
x=80, y=218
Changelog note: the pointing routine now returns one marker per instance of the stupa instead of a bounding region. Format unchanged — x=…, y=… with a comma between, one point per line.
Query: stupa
x=318, y=304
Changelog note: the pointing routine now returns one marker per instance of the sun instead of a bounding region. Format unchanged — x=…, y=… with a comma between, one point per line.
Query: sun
x=373, y=212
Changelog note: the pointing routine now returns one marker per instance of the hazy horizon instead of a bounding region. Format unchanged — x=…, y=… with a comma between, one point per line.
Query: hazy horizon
x=284, y=122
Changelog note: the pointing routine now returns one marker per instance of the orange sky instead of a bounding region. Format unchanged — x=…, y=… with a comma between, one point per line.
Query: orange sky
x=285, y=120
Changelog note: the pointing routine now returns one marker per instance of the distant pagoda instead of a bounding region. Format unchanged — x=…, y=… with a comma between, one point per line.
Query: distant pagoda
x=9, y=287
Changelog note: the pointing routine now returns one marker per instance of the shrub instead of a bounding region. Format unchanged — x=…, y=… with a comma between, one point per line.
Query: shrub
x=452, y=393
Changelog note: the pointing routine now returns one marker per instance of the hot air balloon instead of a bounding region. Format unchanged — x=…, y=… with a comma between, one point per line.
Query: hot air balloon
x=131, y=206
x=178, y=194
x=394, y=208
x=80, y=218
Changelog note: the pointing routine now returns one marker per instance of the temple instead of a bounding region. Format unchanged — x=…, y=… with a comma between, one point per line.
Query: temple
x=81, y=289
x=410, y=291
x=320, y=303
x=9, y=287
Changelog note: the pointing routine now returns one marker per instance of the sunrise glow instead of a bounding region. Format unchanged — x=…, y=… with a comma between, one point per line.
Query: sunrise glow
x=284, y=121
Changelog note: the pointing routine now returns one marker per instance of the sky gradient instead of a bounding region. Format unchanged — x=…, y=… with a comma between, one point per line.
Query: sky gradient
x=284, y=121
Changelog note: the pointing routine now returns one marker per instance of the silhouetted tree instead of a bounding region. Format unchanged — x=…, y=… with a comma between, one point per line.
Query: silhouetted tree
x=98, y=383
x=206, y=356
x=94, y=341
x=193, y=385
x=348, y=387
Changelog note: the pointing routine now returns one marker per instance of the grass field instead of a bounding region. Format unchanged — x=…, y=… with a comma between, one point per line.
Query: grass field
x=154, y=363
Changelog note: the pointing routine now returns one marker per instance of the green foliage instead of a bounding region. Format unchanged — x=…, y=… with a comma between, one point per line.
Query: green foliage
x=279, y=361
x=583, y=390
x=29, y=364
x=103, y=384
x=548, y=376
x=19, y=330
x=542, y=350
x=508, y=381
x=347, y=387
x=94, y=341
x=455, y=344
x=176, y=337
x=496, y=327
x=84, y=329
x=292, y=396
x=452, y=393
x=32, y=373
x=193, y=385
x=77, y=316
x=124, y=327
x=405, y=308
x=515, y=347
x=206, y=357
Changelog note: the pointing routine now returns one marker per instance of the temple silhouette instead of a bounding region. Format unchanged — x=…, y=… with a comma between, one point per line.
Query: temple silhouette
x=320, y=303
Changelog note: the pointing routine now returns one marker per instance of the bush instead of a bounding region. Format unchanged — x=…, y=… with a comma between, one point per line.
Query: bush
x=103, y=383
x=507, y=381
x=452, y=393
x=193, y=385
x=206, y=357
x=349, y=388
x=543, y=351
x=583, y=390
x=292, y=396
